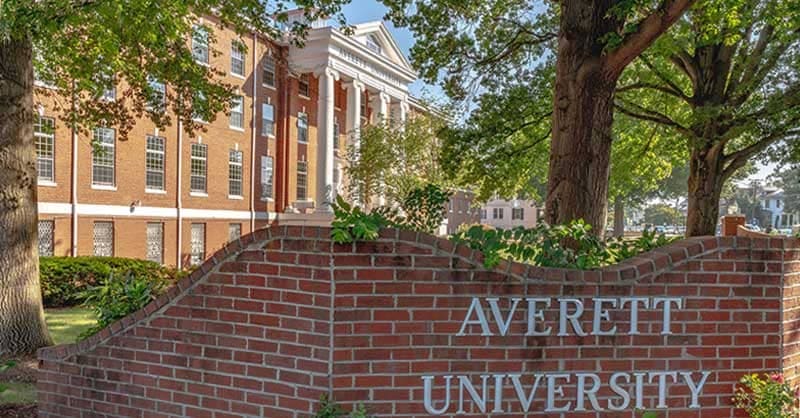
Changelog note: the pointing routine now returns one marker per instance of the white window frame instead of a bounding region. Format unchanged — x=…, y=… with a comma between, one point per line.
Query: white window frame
x=235, y=174
x=159, y=92
x=104, y=156
x=237, y=113
x=517, y=214
x=268, y=124
x=159, y=244
x=267, y=172
x=198, y=169
x=302, y=126
x=155, y=153
x=304, y=86
x=238, y=57
x=268, y=74
x=200, y=44
x=197, y=244
x=302, y=185
x=45, y=138
x=234, y=231
x=98, y=247
x=46, y=238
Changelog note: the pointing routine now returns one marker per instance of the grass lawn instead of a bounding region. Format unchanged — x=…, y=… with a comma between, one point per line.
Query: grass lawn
x=65, y=326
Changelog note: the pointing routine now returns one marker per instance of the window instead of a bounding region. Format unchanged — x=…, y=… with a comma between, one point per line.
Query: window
x=335, y=133
x=237, y=58
x=154, y=163
x=302, y=180
x=154, y=248
x=103, y=157
x=267, y=119
x=200, y=44
x=103, y=239
x=302, y=84
x=483, y=213
x=199, y=106
x=46, y=229
x=44, y=136
x=302, y=127
x=497, y=213
x=517, y=214
x=158, y=96
x=237, y=113
x=235, y=173
x=109, y=92
x=198, y=244
x=234, y=232
x=266, y=177
x=268, y=74
x=199, y=168
x=373, y=44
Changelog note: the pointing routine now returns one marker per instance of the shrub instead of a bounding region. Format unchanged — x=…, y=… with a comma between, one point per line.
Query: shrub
x=115, y=298
x=766, y=396
x=563, y=246
x=64, y=279
x=3, y=367
x=329, y=409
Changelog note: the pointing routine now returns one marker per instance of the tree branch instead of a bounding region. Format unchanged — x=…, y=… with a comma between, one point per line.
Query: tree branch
x=685, y=63
x=671, y=88
x=648, y=31
x=739, y=158
x=649, y=115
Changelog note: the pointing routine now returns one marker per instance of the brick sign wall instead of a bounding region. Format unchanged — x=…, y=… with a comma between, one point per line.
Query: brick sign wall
x=412, y=326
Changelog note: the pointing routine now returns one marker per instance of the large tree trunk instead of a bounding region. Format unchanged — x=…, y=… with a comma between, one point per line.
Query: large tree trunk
x=22, y=325
x=582, y=117
x=619, y=218
x=705, y=187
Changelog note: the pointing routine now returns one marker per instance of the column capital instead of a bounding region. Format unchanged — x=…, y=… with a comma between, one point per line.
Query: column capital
x=384, y=97
x=328, y=71
x=404, y=106
x=355, y=85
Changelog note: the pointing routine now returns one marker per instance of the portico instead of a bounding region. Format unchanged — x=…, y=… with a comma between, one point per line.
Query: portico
x=370, y=66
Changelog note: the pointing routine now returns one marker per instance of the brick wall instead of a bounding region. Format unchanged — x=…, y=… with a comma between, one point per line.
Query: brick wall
x=283, y=316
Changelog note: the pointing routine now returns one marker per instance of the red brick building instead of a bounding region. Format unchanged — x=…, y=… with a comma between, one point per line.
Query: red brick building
x=172, y=198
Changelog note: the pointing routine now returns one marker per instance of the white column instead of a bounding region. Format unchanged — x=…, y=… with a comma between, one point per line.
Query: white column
x=380, y=107
x=325, y=139
x=400, y=113
x=355, y=92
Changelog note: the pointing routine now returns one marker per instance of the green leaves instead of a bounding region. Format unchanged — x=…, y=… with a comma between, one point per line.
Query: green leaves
x=563, y=246
x=328, y=409
x=766, y=396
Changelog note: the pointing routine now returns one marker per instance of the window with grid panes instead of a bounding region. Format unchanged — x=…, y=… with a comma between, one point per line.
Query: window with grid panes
x=198, y=244
x=103, y=158
x=302, y=85
x=237, y=113
x=268, y=72
x=237, y=58
x=302, y=127
x=235, y=173
x=517, y=214
x=103, y=239
x=154, y=162
x=234, y=231
x=302, y=180
x=266, y=177
x=199, y=168
x=154, y=246
x=44, y=135
x=200, y=44
x=267, y=119
x=46, y=236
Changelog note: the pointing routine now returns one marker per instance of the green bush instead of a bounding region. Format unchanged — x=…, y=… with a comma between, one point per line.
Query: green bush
x=64, y=279
x=117, y=297
x=766, y=396
x=329, y=409
x=3, y=367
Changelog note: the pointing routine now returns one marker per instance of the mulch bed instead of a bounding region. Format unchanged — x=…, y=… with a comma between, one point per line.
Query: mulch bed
x=17, y=411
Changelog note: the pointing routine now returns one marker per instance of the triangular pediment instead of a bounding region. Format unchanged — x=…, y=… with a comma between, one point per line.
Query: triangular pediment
x=375, y=33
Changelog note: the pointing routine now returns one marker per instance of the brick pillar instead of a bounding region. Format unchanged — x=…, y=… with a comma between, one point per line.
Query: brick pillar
x=730, y=224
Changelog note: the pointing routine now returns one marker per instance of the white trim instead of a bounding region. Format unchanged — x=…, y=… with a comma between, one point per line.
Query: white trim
x=104, y=187
x=57, y=208
x=155, y=191
x=198, y=194
x=234, y=128
x=235, y=197
x=45, y=183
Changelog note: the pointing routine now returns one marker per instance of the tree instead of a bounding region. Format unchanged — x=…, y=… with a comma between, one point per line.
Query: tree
x=392, y=159
x=727, y=76
x=81, y=48
x=662, y=214
x=483, y=44
x=790, y=182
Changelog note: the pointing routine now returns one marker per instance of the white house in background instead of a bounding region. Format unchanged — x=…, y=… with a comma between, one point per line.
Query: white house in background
x=774, y=203
x=507, y=214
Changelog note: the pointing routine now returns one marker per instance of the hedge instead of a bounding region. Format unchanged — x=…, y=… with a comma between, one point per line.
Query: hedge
x=64, y=279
